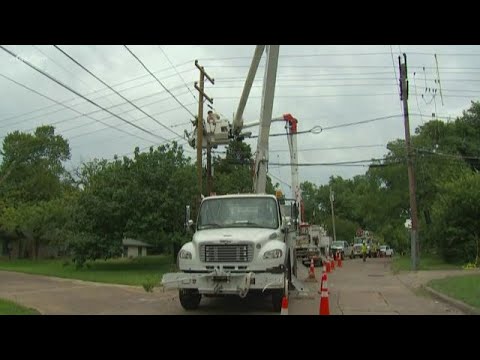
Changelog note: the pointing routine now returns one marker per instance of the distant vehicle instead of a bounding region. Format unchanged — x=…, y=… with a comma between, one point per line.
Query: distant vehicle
x=386, y=250
x=343, y=247
x=357, y=251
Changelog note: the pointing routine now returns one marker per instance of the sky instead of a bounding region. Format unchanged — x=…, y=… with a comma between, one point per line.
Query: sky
x=319, y=85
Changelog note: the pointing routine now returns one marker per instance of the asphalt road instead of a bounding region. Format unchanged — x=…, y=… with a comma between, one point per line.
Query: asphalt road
x=356, y=288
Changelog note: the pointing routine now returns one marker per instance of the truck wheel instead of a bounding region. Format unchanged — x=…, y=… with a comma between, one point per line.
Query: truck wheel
x=190, y=299
x=277, y=296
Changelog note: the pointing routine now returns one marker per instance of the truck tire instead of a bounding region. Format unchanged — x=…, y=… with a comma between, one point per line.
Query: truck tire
x=189, y=298
x=277, y=296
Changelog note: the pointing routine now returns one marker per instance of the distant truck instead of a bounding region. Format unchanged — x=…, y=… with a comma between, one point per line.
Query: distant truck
x=313, y=243
x=386, y=251
x=343, y=248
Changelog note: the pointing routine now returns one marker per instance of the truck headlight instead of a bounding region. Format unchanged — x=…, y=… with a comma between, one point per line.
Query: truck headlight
x=273, y=254
x=184, y=254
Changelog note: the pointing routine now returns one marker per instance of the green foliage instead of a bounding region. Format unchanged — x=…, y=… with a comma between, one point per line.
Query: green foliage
x=149, y=283
x=136, y=271
x=32, y=168
x=344, y=229
x=143, y=198
x=445, y=153
x=90, y=212
x=427, y=262
x=234, y=173
x=10, y=308
x=464, y=288
x=87, y=246
x=455, y=215
x=41, y=222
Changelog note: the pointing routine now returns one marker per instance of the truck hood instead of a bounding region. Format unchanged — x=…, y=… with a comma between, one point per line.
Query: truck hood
x=235, y=235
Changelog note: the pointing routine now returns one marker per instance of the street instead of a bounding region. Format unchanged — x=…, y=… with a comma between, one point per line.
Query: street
x=355, y=289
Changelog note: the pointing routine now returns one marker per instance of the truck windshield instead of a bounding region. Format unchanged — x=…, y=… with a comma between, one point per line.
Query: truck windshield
x=238, y=212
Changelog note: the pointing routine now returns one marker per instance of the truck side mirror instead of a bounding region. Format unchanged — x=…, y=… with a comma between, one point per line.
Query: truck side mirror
x=188, y=221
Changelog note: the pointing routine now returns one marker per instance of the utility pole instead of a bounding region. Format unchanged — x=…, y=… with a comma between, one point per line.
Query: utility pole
x=414, y=243
x=199, y=141
x=332, y=199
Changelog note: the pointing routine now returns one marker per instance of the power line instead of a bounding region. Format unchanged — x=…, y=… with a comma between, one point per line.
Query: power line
x=331, y=95
x=461, y=157
x=285, y=77
x=341, y=54
x=140, y=61
x=68, y=107
x=309, y=96
x=60, y=66
x=301, y=85
x=344, y=67
x=181, y=77
x=115, y=91
x=97, y=131
x=318, y=129
x=308, y=78
x=120, y=113
x=97, y=91
x=78, y=94
x=126, y=111
x=89, y=113
x=277, y=178
x=68, y=71
x=396, y=78
x=361, y=122
x=334, y=148
x=340, y=163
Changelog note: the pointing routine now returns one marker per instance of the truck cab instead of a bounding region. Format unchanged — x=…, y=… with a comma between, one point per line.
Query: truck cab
x=239, y=246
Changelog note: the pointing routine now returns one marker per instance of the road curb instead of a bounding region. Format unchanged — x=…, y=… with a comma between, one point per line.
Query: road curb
x=453, y=302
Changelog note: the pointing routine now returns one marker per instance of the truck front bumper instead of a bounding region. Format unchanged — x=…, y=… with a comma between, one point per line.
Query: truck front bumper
x=223, y=282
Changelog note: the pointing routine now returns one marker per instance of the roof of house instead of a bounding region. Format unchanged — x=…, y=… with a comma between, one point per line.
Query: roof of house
x=133, y=242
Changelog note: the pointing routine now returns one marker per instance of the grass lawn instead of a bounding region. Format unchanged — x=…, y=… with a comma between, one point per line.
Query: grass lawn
x=427, y=262
x=136, y=271
x=464, y=288
x=10, y=308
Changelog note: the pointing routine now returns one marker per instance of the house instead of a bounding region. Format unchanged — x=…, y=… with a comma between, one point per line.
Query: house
x=134, y=248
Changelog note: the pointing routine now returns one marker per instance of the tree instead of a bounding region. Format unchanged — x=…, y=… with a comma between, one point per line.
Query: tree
x=32, y=168
x=143, y=197
x=39, y=223
x=234, y=173
x=455, y=216
x=33, y=182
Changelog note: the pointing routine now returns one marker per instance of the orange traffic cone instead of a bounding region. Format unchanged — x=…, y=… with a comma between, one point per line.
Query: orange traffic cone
x=311, y=270
x=324, y=305
x=339, y=260
x=332, y=265
x=328, y=265
x=284, y=306
x=324, y=266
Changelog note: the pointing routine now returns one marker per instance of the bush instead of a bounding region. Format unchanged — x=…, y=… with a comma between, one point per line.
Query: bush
x=92, y=247
x=149, y=283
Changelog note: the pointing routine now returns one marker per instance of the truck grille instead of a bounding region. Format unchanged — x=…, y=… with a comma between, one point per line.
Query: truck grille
x=237, y=253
